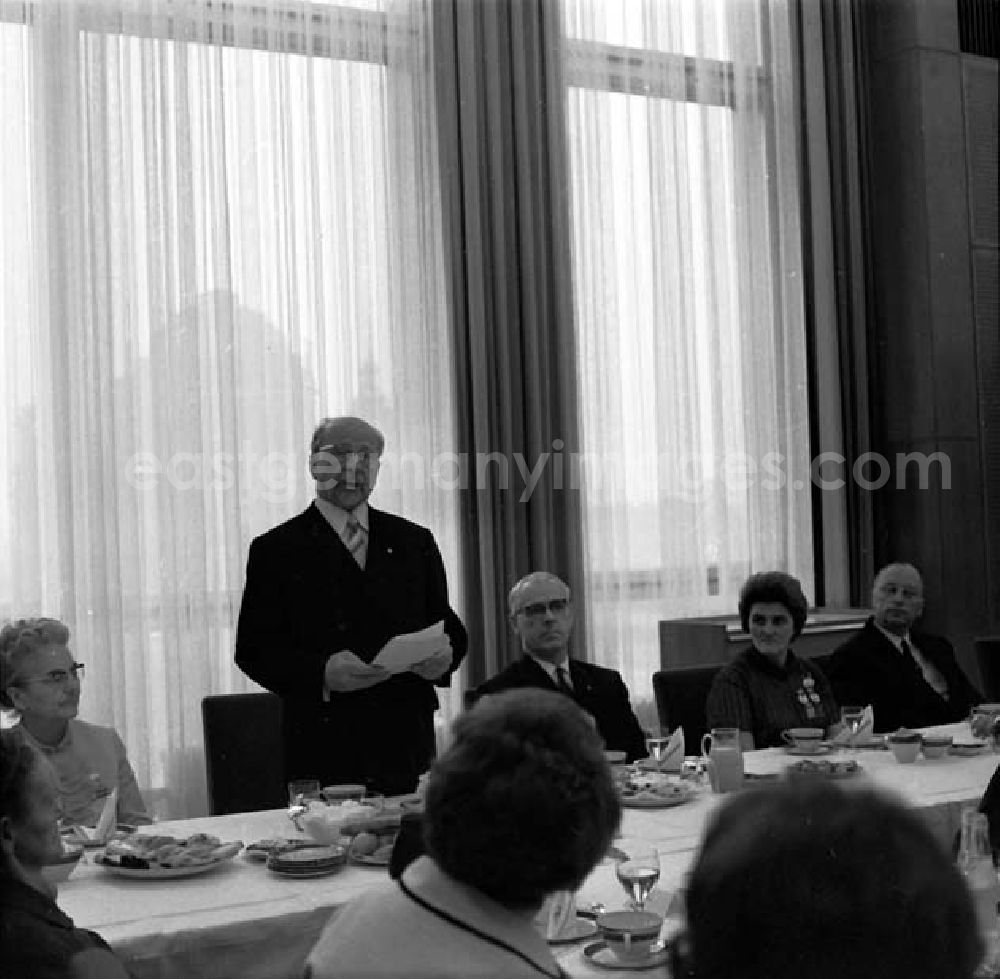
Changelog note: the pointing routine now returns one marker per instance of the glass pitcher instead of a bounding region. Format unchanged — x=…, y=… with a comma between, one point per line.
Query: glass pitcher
x=725, y=758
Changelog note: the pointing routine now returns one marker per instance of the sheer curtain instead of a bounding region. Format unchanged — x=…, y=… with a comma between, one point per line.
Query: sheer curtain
x=217, y=224
x=688, y=290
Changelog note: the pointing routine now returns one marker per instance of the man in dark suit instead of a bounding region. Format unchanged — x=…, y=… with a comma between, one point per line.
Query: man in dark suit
x=541, y=613
x=324, y=593
x=910, y=678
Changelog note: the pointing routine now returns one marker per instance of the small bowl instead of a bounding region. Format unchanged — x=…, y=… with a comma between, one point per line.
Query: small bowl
x=344, y=793
x=60, y=870
x=936, y=746
x=904, y=749
x=325, y=824
x=630, y=935
x=615, y=757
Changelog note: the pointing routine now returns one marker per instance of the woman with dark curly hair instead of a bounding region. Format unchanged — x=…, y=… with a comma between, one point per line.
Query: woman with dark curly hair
x=37, y=941
x=522, y=804
x=767, y=688
x=807, y=879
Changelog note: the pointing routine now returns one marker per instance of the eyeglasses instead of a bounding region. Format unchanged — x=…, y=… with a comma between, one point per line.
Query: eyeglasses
x=363, y=453
x=55, y=678
x=538, y=610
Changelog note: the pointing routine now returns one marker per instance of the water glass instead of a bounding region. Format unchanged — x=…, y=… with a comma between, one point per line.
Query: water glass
x=302, y=792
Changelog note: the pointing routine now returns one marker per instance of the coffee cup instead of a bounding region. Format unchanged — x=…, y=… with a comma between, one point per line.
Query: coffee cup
x=804, y=739
x=631, y=935
x=905, y=745
x=935, y=746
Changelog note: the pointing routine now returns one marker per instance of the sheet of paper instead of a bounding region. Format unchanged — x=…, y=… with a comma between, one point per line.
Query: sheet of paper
x=401, y=652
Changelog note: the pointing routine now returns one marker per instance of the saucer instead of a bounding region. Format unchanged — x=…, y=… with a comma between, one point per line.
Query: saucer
x=806, y=749
x=600, y=955
x=575, y=931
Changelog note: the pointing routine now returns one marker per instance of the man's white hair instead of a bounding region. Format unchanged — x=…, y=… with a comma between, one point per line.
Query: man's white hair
x=534, y=578
x=349, y=428
x=896, y=566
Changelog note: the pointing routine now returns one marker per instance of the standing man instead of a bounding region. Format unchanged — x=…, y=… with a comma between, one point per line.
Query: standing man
x=541, y=614
x=910, y=678
x=325, y=591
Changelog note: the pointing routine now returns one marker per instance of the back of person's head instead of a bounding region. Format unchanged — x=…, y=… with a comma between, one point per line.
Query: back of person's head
x=814, y=881
x=523, y=802
x=21, y=638
x=17, y=762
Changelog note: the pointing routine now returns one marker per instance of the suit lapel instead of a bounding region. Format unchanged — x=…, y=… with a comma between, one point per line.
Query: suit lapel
x=535, y=675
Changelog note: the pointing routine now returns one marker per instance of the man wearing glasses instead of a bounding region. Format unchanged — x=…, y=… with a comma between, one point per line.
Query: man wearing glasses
x=541, y=614
x=325, y=591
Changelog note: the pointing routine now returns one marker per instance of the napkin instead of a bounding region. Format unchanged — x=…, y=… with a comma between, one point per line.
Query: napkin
x=673, y=757
x=106, y=822
x=865, y=730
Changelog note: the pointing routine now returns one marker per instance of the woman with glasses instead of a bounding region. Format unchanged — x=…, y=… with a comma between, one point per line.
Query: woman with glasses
x=37, y=941
x=41, y=681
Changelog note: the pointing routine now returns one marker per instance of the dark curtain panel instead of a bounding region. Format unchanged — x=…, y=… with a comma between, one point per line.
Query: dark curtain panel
x=500, y=116
x=837, y=248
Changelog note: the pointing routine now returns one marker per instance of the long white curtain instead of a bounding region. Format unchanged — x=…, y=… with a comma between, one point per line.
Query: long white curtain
x=218, y=223
x=688, y=288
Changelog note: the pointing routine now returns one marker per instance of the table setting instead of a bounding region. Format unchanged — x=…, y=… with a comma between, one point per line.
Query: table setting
x=241, y=919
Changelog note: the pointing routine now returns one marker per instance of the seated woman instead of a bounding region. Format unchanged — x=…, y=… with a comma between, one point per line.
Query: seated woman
x=37, y=941
x=522, y=804
x=767, y=688
x=808, y=879
x=40, y=680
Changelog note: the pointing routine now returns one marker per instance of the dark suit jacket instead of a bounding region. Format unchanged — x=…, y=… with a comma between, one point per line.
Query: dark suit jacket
x=306, y=598
x=598, y=690
x=868, y=669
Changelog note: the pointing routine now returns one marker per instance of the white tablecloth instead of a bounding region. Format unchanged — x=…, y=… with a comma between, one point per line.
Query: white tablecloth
x=242, y=922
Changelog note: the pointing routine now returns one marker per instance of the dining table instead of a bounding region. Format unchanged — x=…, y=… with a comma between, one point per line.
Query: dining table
x=240, y=920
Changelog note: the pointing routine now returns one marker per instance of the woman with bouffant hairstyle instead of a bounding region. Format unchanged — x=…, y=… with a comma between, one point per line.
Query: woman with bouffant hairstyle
x=40, y=679
x=37, y=941
x=767, y=688
x=522, y=804
x=813, y=880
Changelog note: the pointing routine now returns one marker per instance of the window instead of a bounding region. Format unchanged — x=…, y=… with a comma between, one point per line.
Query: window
x=688, y=293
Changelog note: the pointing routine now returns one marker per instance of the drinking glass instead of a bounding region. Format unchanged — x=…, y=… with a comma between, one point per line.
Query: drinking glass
x=852, y=718
x=637, y=865
x=656, y=745
x=302, y=792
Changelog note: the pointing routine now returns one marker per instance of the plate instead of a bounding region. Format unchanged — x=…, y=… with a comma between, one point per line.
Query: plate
x=825, y=769
x=576, y=931
x=650, y=765
x=651, y=799
x=161, y=873
x=874, y=743
x=368, y=859
x=305, y=874
x=820, y=749
x=600, y=955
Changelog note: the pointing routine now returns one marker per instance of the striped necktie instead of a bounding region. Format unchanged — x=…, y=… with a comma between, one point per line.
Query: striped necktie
x=354, y=539
x=562, y=681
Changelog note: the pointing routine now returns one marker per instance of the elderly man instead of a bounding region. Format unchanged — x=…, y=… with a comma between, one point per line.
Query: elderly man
x=325, y=591
x=910, y=678
x=541, y=614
